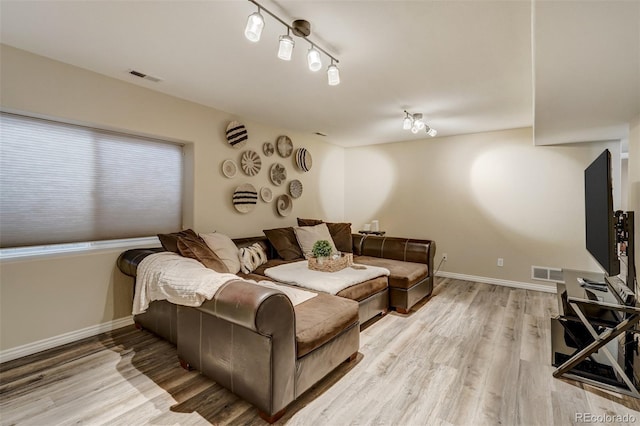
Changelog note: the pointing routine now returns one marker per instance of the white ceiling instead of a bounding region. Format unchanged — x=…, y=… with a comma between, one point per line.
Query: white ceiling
x=466, y=65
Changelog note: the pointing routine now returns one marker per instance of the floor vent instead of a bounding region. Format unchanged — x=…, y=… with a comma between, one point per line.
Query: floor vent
x=545, y=273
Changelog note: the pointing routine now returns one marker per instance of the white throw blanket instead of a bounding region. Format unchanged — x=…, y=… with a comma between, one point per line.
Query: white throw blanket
x=299, y=274
x=184, y=281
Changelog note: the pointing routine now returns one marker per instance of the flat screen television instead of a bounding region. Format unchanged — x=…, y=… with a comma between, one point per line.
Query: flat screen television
x=599, y=214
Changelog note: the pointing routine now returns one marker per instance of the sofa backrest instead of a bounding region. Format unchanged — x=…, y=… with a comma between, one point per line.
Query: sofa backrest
x=405, y=249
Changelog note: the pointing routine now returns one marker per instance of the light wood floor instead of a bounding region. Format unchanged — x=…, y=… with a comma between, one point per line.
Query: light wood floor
x=473, y=354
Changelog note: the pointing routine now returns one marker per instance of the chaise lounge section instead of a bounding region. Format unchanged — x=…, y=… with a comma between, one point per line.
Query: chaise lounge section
x=253, y=341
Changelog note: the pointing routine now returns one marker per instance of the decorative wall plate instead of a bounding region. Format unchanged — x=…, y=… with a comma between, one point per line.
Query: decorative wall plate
x=250, y=162
x=278, y=174
x=237, y=134
x=229, y=168
x=266, y=194
x=303, y=159
x=285, y=146
x=245, y=198
x=295, y=188
x=268, y=149
x=284, y=205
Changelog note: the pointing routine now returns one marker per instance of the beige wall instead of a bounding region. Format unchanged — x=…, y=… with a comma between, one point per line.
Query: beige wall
x=480, y=197
x=42, y=298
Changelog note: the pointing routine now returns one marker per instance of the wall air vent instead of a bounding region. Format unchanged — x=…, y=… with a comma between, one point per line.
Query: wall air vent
x=545, y=273
x=145, y=76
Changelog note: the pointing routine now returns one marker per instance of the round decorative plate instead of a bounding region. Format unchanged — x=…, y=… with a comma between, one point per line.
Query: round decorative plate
x=278, y=174
x=268, y=149
x=303, y=159
x=284, y=205
x=229, y=168
x=266, y=194
x=250, y=162
x=237, y=134
x=285, y=146
x=245, y=198
x=295, y=188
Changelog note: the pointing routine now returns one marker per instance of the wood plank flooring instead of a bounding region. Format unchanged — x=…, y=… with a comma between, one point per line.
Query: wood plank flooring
x=473, y=354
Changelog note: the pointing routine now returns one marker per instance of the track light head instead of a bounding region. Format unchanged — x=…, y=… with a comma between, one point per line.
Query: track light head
x=255, y=24
x=333, y=75
x=313, y=59
x=285, y=47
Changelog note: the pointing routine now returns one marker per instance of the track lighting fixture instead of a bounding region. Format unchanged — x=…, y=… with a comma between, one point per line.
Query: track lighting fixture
x=300, y=28
x=415, y=123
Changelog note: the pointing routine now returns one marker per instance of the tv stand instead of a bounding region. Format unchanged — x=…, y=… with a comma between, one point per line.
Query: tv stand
x=593, y=339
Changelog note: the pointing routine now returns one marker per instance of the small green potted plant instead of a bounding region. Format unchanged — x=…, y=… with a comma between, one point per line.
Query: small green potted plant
x=321, y=250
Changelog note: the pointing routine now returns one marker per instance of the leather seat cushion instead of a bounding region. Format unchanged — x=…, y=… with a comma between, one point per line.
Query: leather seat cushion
x=365, y=289
x=403, y=274
x=320, y=319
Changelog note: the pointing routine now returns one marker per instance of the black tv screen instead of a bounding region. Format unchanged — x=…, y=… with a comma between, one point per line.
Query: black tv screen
x=599, y=214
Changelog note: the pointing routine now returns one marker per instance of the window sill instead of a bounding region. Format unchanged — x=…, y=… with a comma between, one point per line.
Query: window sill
x=23, y=253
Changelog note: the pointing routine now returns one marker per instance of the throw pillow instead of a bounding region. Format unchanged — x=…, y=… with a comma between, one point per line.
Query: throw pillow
x=285, y=242
x=224, y=248
x=308, y=235
x=340, y=232
x=309, y=222
x=251, y=257
x=170, y=241
x=196, y=248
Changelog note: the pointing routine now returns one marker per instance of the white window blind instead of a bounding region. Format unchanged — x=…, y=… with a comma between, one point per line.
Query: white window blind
x=61, y=183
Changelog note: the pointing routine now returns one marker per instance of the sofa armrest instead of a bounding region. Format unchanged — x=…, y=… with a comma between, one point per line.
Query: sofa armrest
x=129, y=260
x=244, y=339
x=251, y=306
x=405, y=249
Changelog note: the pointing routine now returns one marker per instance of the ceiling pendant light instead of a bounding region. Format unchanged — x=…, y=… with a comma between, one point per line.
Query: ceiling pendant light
x=313, y=59
x=285, y=47
x=255, y=24
x=415, y=123
x=333, y=74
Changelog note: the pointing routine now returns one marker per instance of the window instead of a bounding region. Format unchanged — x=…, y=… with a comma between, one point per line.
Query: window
x=62, y=183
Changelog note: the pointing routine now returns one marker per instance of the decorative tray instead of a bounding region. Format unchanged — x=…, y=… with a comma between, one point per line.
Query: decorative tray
x=328, y=264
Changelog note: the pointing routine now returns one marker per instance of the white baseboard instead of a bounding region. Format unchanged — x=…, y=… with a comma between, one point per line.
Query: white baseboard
x=63, y=339
x=498, y=281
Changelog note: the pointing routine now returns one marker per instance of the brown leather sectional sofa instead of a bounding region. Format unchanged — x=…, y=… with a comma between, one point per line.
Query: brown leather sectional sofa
x=251, y=340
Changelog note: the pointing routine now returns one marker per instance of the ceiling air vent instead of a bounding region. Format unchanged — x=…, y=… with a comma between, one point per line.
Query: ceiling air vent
x=545, y=273
x=145, y=76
